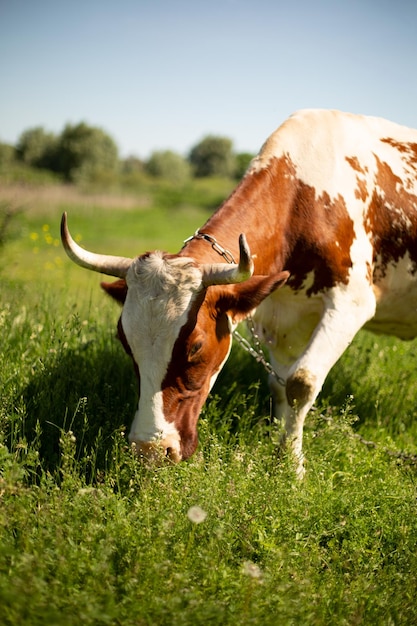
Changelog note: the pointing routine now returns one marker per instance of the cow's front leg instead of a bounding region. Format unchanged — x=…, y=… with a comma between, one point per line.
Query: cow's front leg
x=302, y=389
x=341, y=320
x=291, y=413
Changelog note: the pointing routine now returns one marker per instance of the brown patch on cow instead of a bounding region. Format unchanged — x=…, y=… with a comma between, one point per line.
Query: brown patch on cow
x=361, y=191
x=319, y=234
x=354, y=163
x=391, y=220
x=288, y=227
x=301, y=387
x=408, y=154
x=299, y=231
x=408, y=150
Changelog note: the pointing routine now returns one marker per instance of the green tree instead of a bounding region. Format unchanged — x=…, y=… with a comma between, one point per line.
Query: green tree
x=37, y=148
x=213, y=156
x=169, y=165
x=85, y=153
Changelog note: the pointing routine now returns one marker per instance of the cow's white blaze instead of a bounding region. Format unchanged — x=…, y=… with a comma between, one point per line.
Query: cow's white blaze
x=160, y=295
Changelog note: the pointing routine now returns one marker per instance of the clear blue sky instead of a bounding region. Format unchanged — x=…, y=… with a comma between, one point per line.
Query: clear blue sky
x=162, y=74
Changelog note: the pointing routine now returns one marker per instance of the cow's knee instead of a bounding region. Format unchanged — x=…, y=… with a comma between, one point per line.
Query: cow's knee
x=301, y=388
x=279, y=398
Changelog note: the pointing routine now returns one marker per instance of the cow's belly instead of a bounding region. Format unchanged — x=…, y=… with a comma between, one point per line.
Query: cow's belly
x=396, y=302
x=396, y=315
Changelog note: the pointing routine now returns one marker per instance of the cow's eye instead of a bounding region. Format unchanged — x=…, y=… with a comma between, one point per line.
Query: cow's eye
x=194, y=350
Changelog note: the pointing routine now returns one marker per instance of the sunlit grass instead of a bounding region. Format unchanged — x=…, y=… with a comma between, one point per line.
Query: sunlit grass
x=90, y=536
x=125, y=225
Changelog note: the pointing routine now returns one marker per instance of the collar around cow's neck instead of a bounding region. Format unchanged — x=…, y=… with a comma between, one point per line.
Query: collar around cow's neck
x=226, y=254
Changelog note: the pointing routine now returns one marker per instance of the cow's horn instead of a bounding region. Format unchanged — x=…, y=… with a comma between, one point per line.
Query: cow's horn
x=103, y=263
x=223, y=274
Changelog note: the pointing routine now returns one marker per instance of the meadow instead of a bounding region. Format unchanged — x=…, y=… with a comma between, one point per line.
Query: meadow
x=88, y=535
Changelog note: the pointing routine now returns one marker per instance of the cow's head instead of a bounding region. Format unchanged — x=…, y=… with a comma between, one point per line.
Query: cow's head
x=176, y=324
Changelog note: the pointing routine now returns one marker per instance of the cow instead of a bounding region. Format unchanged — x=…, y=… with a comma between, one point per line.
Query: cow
x=318, y=240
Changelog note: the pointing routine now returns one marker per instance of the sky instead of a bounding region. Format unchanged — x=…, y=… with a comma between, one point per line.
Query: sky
x=163, y=74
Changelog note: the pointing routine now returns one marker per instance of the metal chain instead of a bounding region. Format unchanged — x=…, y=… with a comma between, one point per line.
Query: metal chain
x=254, y=350
x=258, y=355
x=226, y=254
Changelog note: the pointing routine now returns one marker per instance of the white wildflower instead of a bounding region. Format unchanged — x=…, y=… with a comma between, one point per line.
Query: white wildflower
x=252, y=570
x=196, y=514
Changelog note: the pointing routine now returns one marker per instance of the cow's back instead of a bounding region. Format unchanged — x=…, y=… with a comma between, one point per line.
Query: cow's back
x=367, y=165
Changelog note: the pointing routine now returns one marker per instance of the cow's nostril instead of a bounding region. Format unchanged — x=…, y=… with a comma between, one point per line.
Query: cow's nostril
x=173, y=454
x=156, y=452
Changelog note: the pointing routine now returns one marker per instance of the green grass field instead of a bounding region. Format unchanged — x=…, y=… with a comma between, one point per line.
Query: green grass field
x=90, y=536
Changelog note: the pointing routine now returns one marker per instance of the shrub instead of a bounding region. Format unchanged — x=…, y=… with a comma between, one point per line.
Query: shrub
x=213, y=156
x=85, y=152
x=37, y=148
x=169, y=165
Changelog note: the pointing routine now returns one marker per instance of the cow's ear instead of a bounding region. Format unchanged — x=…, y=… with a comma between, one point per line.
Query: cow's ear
x=240, y=299
x=117, y=290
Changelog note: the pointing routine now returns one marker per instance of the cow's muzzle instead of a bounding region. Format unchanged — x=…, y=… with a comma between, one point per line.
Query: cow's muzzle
x=159, y=451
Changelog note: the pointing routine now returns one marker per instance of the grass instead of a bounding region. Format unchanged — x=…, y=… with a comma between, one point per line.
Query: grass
x=88, y=535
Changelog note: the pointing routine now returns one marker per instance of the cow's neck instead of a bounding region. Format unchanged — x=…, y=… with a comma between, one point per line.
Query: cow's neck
x=257, y=208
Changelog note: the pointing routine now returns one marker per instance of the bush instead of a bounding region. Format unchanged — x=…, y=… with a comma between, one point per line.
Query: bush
x=213, y=156
x=169, y=165
x=37, y=148
x=85, y=152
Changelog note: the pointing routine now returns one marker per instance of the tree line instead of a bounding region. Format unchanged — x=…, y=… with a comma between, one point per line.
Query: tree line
x=84, y=153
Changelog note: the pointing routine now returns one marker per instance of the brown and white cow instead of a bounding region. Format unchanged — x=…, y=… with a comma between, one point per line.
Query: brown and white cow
x=328, y=207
